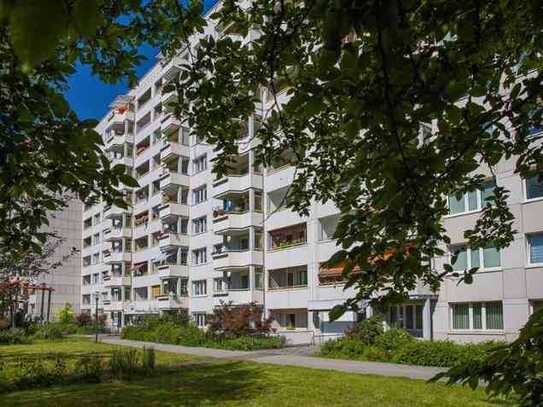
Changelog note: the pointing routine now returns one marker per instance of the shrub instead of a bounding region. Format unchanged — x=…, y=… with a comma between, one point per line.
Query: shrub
x=90, y=368
x=367, y=331
x=441, y=353
x=124, y=362
x=13, y=336
x=83, y=319
x=50, y=331
x=392, y=340
x=345, y=348
x=66, y=315
x=248, y=343
x=149, y=358
x=232, y=321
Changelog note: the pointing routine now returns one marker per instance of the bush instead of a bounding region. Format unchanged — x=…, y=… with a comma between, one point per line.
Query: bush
x=248, y=343
x=66, y=315
x=90, y=368
x=148, y=358
x=124, y=362
x=50, y=331
x=345, y=348
x=393, y=340
x=367, y=331
x=13, y=336
x=441, y=353
x=83, y=319
x=233, y=321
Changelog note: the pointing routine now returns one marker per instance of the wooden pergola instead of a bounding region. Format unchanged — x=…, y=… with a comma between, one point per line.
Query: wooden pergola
x=18, y=290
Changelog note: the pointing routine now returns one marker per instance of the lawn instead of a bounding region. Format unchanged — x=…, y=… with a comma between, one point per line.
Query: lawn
x=201, y=382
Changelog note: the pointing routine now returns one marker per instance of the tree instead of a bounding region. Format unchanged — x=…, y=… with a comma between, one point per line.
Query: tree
x=19, y=272
x=387, y=108
x=46, y=152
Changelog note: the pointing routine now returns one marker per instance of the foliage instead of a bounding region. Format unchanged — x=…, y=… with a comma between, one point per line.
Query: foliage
x=367, y=330
x=51, y=331
x=508, y=369
x=397, y=346
x=228, y=320
x=66, y=315
x=164, y=330
x=148, y=358
x=124, y=362
x=13, y=336
x=83, y=319
x=393, y=339
x=441, y=353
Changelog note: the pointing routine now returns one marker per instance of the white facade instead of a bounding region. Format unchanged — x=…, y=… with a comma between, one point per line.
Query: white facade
x=191, y=241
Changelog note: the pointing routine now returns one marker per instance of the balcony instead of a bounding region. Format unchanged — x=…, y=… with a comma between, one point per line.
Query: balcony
x=117, y=257
x=236, y=183
x=173, y=210
x=174, y=150
x=119, y=116
x=171, y=240
x=117, y=281
x=113, y=306
x=172, y=180
x=126, y=161
x=117, y=141
x=167, y=302
x=173, y=270
x=236, y=259
x=242, y=296
x=114, y=212
x=236, y=221
x=169, y=123
x=115, y=233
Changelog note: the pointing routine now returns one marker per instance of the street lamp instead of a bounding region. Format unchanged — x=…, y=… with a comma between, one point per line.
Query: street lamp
x=96, y=316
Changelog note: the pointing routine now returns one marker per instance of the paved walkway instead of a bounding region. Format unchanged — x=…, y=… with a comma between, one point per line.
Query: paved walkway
x=290, y=357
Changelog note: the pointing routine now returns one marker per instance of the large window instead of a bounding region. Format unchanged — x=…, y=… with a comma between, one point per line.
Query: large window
x=477, y=316
x=199, y=288
x=200, y=318
x=406, y=316
x=220, y=286
x=467, y=258
x=534, y=186
x=535, y=248
x=199, y=164
x=199, y=195
x=471, y=201
x=291, y=277
x=199, y=256
x=287, y=237
x=199, y=225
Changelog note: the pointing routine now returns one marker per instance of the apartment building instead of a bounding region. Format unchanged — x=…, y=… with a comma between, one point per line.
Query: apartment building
x=191, y=241
x=65, y=280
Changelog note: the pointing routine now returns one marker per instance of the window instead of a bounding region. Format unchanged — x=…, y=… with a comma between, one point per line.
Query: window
x=199, y=288
x=96, y=258
x=259, y=279
x=199, y=256
x=534, y=186
x=471, y=201
x=199, y=225
x=287, y=237
x=199, y=164
x=185, y=136
x=155, y=291
x=327, y=227
x=96, y=219
x=219, y=286
x=477, y=316
x=535, y=248
x=484, y=258
x=406, y=316
x=200, y=318
x=199, y=195
x=288, y=278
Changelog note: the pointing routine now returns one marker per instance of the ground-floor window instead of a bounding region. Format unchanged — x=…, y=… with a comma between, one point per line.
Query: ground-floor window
x=291, y=319
x=200, y=318
x=477, y=315
x=406, y=316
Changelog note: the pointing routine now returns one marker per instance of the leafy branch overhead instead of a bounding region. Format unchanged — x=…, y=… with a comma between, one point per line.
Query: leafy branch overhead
x=48, y=155
x=388, y=109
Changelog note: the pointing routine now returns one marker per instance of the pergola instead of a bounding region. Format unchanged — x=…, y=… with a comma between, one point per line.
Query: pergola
x=18, y=289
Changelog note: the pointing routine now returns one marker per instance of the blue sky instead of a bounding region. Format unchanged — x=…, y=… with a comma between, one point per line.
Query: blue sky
x=90, y=97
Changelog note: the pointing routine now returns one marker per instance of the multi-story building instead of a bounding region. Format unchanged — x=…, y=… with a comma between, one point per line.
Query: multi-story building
x=63, y=281
x=190, y=241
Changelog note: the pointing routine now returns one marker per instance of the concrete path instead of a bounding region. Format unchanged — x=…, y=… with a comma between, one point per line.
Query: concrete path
x=290, y=357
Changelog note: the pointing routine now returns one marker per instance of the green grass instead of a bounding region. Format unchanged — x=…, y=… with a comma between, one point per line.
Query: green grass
x=201, y=382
